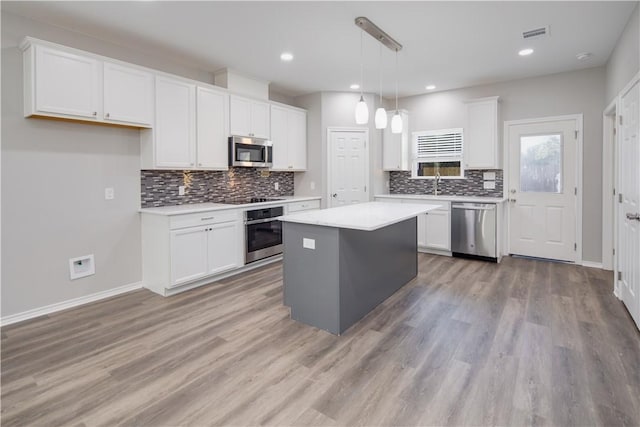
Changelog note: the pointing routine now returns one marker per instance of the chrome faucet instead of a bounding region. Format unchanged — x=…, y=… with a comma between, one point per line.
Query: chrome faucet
x=437, y=180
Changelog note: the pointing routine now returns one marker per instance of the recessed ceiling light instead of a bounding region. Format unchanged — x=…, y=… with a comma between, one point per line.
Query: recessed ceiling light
x=355, y=86
x=286, y=56
x=525, y=52
x=583, y=56
x=430, y=87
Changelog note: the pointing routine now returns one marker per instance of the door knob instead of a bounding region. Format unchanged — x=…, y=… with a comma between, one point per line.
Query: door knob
x=513, y=191
x=334, y=195
x=512, y=200
x=635, y=216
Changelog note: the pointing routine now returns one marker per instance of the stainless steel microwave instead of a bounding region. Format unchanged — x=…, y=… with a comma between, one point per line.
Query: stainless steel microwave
x=250, y=152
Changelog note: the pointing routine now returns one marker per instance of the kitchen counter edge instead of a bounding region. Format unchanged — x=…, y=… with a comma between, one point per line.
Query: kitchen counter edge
x=207, y=207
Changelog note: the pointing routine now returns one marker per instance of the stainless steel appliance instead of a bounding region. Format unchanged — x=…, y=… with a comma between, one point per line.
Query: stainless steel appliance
x=246, y=201
x=473, y=230
x=263, y=233
x=250, y=152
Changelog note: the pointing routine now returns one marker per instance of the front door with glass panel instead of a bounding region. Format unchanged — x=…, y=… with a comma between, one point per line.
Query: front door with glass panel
x=542, y=189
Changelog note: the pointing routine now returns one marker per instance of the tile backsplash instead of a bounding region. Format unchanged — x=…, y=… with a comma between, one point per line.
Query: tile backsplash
x=472, y=185
x=160, y=187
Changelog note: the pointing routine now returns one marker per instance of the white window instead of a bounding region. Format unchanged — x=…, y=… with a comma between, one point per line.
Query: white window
x=437, y=152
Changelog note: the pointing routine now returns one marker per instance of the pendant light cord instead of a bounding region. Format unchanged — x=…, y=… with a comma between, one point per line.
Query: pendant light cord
x=380, y=65
x=396, y=81
x=361, y=64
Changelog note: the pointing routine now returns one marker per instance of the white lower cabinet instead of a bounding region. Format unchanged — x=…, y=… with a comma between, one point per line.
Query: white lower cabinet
x=189, y=249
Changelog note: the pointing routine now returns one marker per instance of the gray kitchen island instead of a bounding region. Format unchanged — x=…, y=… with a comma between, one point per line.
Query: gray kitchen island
x=340, y=263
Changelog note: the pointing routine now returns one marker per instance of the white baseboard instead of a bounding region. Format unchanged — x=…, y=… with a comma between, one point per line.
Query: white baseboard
x=591, y=264
x=59, y=306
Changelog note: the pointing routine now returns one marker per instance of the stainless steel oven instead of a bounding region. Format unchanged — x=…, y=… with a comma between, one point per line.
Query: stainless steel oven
x=263, y=233
x=250, y=152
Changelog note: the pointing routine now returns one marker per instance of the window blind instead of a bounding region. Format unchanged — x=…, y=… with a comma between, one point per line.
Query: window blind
x=445, y=143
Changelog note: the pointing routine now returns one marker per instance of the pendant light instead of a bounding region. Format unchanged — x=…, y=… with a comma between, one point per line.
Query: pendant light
x=362, y=111
x=396, y=121
x=381, y=113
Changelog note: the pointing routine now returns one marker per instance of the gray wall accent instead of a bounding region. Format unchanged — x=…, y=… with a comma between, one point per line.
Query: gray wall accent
x=348, y=273
x=624, y=62
x=160, y=187
x=471, y=185
x=572, y=92
x=53, y=178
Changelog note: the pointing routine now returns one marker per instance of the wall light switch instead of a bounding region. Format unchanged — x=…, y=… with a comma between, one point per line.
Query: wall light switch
x=181, y=190
x=489, y=185
x=489, y=176
x=308, y=243
x=109, y=193
x=276, y=185
x=312, y=185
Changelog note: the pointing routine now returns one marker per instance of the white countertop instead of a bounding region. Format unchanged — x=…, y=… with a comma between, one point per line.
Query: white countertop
x=363, y=216
x=470, y=199
x=206, y=207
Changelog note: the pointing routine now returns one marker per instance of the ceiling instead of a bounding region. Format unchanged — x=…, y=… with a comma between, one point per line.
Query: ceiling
x=448, y=44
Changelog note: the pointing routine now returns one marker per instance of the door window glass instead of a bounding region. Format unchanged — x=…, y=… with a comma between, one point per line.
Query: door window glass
x=541, y=163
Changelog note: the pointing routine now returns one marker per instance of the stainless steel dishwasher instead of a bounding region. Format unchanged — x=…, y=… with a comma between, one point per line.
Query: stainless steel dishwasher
x=473, y=230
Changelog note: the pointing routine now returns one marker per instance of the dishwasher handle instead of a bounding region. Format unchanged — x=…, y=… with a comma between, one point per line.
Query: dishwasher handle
x=474, y=208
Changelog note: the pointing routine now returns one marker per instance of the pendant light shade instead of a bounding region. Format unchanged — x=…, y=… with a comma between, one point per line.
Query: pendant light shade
x=362, y=112
x=396, y=123
x=381, y=118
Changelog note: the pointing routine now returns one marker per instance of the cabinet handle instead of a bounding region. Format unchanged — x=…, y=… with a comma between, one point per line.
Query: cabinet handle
x=207, y=218
x=95, y=113
x=107, y=115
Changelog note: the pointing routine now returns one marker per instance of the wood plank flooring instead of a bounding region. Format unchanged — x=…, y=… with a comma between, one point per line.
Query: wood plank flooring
x=465, y=343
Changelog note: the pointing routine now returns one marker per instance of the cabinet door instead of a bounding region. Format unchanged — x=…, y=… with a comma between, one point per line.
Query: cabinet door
x=260, y=125
x=438, y=230
x=395, y=146
x=279, y=137
x=175, y=123
x=224, y=245
x=188, y=255
x=67, y=84
x=212, y=129
x=128, y=95
x=239, y=116
x=422, y=230
x=297, y=139
x=481, y=135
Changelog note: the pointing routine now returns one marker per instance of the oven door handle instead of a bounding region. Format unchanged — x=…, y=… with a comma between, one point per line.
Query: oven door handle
x=260, y=221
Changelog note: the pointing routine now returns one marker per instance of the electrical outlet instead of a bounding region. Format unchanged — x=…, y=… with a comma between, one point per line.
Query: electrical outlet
x=109, y=193
x=489, y=185
x=181, y=189
x=276, y=185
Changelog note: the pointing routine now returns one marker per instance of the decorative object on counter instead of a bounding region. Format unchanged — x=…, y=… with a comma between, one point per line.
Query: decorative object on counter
x=160, y=187
x=362, y=111
x=400, y=182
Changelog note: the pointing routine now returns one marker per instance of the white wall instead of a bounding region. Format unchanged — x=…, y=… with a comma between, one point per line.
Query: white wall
x=558, y=94
x=336, y=109
x=53, y=178
x=624, y=62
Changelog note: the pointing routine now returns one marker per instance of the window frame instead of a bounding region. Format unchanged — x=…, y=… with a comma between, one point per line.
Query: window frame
x=415, y=159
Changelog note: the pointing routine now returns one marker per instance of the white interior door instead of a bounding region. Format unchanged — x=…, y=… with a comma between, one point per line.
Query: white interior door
x=543, y=189
x=348, y=167
x=628, y=253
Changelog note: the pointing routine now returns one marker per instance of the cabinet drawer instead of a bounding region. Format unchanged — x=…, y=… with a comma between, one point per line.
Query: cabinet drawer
x=202, y=218
x=303, y=206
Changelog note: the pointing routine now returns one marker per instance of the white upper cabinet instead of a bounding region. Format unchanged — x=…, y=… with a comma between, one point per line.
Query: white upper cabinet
x=175, y=130
x=212, y=129
x=62, y=84
x=482, y=148
x=67, y=84
x=249, y=117
x=289, y=136
x=395, y=146
x=128, y=95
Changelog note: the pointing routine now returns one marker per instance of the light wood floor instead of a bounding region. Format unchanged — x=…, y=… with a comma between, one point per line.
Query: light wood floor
x=465, y=343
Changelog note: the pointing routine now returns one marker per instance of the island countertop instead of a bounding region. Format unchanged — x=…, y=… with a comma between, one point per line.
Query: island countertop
x=362, y=216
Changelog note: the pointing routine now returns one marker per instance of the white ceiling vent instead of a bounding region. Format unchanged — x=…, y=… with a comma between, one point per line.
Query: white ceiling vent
x=536, y=33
